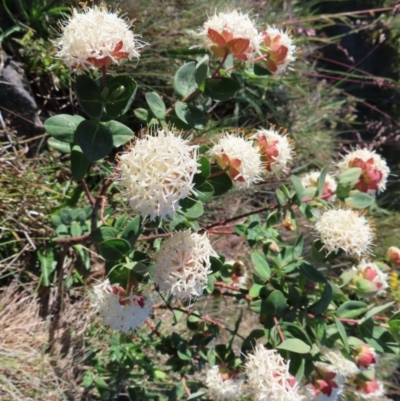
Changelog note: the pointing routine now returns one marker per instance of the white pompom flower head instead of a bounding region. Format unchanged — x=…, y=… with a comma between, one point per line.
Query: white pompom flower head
x=347, y=230
x=118, y=309
x=182, y=264
x=279, y=48
x=374, y=170
x=231, y=32
x=239, y=157
x=223, y=386
x=276, y=149
x=268, y=377
x=157, y=172
x=96, y=37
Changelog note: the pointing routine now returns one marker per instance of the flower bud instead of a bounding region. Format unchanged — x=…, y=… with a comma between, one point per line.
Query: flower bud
x=393, y=255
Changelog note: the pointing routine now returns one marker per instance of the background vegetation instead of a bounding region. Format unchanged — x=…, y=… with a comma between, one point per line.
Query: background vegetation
x=343, y=92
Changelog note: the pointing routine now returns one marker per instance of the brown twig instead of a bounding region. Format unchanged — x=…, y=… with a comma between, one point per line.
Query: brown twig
x=187, y=390
x=153, y=328
x=278, y=327
x=88, y=194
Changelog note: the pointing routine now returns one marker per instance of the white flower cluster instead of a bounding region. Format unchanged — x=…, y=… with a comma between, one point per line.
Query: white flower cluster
x=276, y=150
x=374, y=168
x=345, y=229
x=220, y=389
x=96, y=37
x=240, y=157
x=269, y=378
x=279, y=37
x=232, y=25
x=120, y=312
x=157, y=172
x=182, y=264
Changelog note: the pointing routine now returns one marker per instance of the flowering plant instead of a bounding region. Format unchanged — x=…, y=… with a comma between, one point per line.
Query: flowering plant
x=316, y=337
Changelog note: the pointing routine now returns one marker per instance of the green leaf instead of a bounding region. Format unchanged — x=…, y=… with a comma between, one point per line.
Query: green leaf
x=280, y=197
x=202, y=70
x=95, y=140
x=221, y=183
x=377, y=309
x=312, y=273
x=298, y=247
x=79, y=163
x=121, y=92
x=221, y=88
x=196, y=395
x=87, y=93
x=346, y=277
x=276, y=303
x=103, y=233
x=250, y=341
x=156, y=105
x=61, y=146
x=349, y=177
x=121, y=134
x=261, y=266
x=66, y=217
x=297, y=187
x=141, y=114
x=205, y=192
x=322, y=304
x=321, y=181
x=205, y=170
x=192, y=212
x=342, y=333
x=114, y=249
x=295, y=345
x=255, y=289
x=351, y=309
x=62, y=127
x=47, y=265
x=120, y=222
x=185, y=80
x=190, y=115
x=76, y=229
x=359, y=200
x=132, y=230
x=261, y=71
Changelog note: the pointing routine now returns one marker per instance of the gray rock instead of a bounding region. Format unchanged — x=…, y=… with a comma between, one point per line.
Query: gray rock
x=17, y=104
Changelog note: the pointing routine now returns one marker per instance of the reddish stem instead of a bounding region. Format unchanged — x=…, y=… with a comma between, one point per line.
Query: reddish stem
x=278, y=327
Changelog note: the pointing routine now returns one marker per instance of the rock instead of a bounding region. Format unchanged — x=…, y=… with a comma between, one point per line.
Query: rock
x=17, y=104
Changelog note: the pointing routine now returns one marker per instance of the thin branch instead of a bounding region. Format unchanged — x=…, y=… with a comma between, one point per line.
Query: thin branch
x=88, y=194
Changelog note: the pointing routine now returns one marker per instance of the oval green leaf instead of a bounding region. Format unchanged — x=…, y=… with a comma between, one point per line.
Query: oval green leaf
x=95, y=139
x=62, y=127
x=156, y=105
x=114, y=249
x=295, y=345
